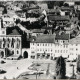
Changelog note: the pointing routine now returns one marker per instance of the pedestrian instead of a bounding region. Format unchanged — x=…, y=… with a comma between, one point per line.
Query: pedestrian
x=17, y=68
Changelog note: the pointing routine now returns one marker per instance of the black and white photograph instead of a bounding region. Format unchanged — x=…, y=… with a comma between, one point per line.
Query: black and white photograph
x=40, y=39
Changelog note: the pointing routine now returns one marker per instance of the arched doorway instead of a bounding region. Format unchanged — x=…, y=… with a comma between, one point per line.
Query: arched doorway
x=25, y=54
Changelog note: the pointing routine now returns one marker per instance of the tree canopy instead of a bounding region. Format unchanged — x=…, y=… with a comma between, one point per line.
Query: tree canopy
x=60, y=68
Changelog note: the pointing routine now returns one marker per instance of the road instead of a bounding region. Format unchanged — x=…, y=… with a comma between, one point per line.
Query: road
x=11, y=67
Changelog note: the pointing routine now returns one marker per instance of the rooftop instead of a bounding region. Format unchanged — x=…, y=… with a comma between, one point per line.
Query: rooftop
x=58, y=18
x=45, y=39
x=62, y=36
x=75, y=41
x=13, y=32
x=37, y=31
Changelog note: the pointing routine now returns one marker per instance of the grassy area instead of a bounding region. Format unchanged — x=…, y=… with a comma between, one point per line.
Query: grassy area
x=40, y=71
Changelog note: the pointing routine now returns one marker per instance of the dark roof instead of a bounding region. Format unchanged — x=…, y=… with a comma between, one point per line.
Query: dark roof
x=66, y=8
x=58, y=18
x=53, y=11
x=62, y=36
x=45, y=39
x=37, y=31
x=14, y=32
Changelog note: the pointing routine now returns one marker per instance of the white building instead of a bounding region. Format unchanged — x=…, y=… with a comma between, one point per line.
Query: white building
x=50, y=46
x=74, y=47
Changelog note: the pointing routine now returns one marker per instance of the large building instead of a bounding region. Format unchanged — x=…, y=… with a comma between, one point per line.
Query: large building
x=52, y=46
x=49, y=46
x=10, y=45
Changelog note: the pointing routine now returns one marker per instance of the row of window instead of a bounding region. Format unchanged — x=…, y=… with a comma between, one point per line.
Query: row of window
x=50, y=44
x=44, y=50
x=7, y=44
x=61, y=51
x=44, y=44
x=64, y=46
x=74, y=48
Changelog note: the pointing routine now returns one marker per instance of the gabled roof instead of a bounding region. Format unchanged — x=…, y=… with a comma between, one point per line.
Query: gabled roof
x=62, y=36
x=45, y=39
x=53, y=11
x=75, y=41
x=37, y=31
x=14, y=32
x=58, y=18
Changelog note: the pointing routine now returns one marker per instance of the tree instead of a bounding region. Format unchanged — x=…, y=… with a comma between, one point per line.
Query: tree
x=66, y=5
x=60, y=68
x=5, y=10
x=59, y=3
x=50, y=4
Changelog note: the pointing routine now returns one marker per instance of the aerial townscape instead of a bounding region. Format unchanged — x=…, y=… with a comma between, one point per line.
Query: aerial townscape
x=40, y=39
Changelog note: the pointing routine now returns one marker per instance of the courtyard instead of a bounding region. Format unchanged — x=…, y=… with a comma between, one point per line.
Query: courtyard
x=32, y=69
x=45, y=69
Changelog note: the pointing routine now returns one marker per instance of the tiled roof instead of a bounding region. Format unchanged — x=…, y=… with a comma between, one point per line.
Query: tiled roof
x=53, y=11
x=74, y=41
x=45, y=39
x=58, y=18
x=14, y=32
x=62, y=36
x=37, y=31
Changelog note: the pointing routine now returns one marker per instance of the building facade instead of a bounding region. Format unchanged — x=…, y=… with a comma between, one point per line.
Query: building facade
x=10, y=45
x=50, y=47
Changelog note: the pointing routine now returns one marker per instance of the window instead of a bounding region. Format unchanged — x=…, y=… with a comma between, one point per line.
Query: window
x=61, y=51
x=58, y=51
x=37, y=44
x=37, y=49
x=3, y=32
x=66, y=51
x=63, y=41
x=76, y=49
x=51, y=50
x=55, y=51
x=17, y=52
x=33, y=57
x=46, y=44
x=46, y=50
x=0, y=44
x=66, y=46
x=40, y=49
x=76, y=45
x=12, y=44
